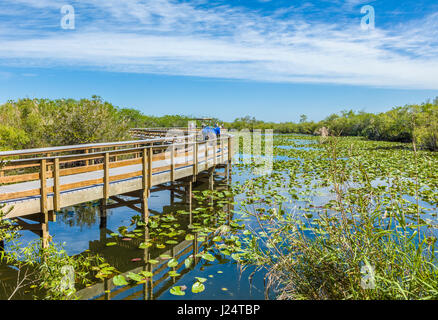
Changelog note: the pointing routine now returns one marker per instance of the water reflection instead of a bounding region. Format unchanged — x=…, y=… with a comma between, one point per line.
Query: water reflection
x=124, y=253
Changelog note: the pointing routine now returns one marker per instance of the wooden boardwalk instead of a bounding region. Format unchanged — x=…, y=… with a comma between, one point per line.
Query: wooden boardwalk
x=36, y=183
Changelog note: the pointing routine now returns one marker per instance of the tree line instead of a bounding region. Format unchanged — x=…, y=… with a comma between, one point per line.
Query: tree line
x=409, y=123
x=32, y=123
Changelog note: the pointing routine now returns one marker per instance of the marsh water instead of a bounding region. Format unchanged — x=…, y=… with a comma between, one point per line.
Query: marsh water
x=80, y=229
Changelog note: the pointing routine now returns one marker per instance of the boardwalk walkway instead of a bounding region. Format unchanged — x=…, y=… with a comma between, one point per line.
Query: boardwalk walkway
x=36, y=183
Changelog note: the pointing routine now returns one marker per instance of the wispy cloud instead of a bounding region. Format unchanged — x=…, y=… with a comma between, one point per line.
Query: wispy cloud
x=200, y=39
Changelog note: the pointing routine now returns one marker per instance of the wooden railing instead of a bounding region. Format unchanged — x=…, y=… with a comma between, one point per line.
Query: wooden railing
x=165, y=132
x=58, y=170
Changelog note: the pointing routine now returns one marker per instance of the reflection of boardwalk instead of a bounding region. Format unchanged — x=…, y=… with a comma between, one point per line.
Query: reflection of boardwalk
x=155, y=286
x=127, y=258
x=39, y=182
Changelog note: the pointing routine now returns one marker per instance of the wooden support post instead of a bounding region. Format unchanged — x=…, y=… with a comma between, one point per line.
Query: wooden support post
x=189, y=194
x=43, y=204
x=106, y=177
x=215, y=152
x=145, y=179
x=195, y=250
x=150, y=155
x=86, y=162
x=206, y=155
x=145, y=206
x=222, y=150
x=211, y=179
x=230, y=155
x=195, y=161
x=43, y=180
x=56, y=188
x=172, y=163
x=103, y=213
x=172, y=197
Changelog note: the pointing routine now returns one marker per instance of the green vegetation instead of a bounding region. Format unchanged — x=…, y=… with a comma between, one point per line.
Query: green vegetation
x=351, y=218
x=33, y=123
x=401, y=124
x=43, y=273
x=347, y=219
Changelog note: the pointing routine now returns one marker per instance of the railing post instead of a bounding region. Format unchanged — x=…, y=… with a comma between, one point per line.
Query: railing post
x=146, y=184
x=150, y=154
x=106, y=178
x=215, y=152
x=190, y=202
x=43, y=179
x=195, y=160
x=206, y=155
x=86, y=162
x=172, y=163
x=56, y=189
x=229, y=150
x=44, y=211
x=145, y=169
x=222, y=150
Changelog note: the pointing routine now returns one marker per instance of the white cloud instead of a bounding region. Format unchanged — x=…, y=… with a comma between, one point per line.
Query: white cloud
x=166, y=37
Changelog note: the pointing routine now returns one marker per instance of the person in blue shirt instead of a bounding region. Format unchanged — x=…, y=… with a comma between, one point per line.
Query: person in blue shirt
x=217, y=130
x=205, y=131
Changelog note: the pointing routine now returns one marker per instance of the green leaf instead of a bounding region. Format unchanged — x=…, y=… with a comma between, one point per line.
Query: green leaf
x=145, y=245
x=120, y=281
x=188, y=262
x=198, y=287
x=177, y=291
x=135, y=277
x=172, y=263
x=110, y=244
x=147, y=274
x=190, y=237
x=208, y=257
x=235, y=256
x=202, y=280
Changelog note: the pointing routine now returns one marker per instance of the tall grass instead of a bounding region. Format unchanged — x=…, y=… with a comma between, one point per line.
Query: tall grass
x=356, y=247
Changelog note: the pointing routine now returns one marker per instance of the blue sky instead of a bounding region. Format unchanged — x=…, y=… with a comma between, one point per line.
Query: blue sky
x=274, y=60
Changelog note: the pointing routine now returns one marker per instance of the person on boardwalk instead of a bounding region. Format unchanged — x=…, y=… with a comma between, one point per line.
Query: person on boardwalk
x=206, y=132
x=217, y=130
